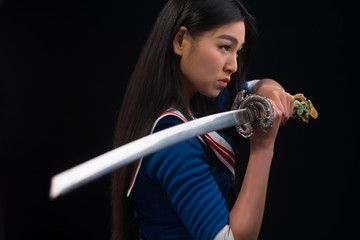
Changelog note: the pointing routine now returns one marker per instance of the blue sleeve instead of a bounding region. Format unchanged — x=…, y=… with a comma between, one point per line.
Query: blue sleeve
x=249, y=86
x=245, y=86
x=184, y=174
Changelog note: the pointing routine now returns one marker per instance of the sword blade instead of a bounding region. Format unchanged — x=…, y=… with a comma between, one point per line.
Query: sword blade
x=99, y=166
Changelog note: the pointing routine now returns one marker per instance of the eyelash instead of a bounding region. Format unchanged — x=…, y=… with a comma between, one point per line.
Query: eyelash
x=227, y=47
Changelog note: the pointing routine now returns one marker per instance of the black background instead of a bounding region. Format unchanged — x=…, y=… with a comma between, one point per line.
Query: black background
x=64, y=69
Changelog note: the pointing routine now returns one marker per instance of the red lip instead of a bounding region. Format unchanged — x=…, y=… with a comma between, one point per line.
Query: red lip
x=224, y=82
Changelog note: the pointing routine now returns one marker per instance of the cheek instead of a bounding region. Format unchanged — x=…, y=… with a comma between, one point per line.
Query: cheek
x=205, y=63
x=210, y=62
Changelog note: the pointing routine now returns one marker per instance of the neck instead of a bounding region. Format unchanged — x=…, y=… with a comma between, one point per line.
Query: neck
x=184, y=106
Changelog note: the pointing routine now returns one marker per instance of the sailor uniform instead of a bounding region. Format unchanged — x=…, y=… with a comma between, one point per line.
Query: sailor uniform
x=180, y=192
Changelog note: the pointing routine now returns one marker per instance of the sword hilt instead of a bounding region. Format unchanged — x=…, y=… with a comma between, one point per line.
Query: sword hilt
x=260, y=111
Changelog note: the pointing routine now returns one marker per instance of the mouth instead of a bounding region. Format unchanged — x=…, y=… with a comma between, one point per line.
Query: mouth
x=224, y=82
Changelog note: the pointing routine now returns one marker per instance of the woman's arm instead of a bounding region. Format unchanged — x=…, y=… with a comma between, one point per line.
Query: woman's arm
x=247, y=213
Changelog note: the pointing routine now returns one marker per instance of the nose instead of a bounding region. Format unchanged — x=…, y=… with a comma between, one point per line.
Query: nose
x=231, y=64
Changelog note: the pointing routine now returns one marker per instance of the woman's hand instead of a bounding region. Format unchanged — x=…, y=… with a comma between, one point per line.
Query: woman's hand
x=281, y=99
x=283, y=104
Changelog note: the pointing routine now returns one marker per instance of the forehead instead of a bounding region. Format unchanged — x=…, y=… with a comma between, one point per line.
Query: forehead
x=235, y=29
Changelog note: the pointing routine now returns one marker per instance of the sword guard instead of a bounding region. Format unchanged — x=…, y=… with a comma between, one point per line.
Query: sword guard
x=260, y=111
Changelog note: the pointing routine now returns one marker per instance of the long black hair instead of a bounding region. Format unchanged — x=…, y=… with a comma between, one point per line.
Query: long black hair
x=155, y=85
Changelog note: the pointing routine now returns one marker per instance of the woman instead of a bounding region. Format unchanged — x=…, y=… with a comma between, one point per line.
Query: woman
x=193, y=64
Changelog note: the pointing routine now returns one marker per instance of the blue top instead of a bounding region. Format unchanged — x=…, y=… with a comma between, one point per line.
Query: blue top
x=179, y=193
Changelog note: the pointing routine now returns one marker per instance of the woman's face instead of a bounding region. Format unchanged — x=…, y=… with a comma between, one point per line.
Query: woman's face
x=207, y=61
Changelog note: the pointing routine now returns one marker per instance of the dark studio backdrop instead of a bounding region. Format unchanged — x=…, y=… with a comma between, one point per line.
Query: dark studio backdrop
x=64, y=69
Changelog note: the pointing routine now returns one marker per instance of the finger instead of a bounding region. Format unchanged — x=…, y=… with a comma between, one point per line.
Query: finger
x=289, y=105
x=280, y=99
x=278, y=113
x=288, y=101
x=292, y=102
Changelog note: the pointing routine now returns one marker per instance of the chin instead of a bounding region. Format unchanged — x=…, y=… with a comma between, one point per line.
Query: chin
x=212, y=94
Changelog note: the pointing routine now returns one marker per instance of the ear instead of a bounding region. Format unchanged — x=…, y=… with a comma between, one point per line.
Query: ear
x=178, y=40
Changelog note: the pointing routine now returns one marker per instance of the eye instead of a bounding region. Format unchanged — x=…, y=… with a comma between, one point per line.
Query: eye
x=225, y=47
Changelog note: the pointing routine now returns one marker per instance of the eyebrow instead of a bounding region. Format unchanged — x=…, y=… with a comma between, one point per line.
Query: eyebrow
x=231, y=38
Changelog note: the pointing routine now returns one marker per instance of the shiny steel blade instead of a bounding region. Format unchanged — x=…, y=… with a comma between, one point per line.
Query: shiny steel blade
x=108, y=162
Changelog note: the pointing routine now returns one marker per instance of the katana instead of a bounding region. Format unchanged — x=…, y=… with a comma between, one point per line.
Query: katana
x=247, y=112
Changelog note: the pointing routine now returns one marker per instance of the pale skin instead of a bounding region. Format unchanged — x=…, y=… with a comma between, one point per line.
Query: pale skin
x=206, y=64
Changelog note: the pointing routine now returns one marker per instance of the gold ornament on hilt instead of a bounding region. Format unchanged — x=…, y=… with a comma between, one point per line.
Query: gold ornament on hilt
x=303, y=109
